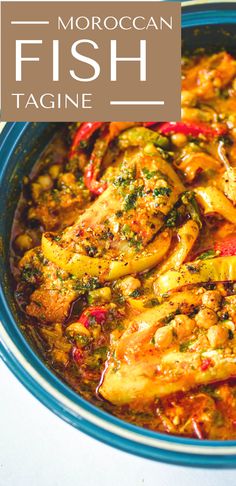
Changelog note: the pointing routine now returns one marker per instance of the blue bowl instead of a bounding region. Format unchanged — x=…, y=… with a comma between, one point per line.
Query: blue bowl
x=20, y=146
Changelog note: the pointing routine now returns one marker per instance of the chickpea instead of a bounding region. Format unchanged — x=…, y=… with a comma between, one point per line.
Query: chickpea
x=129, y=285
x=67, y=179
x=179, y=139
x=149, y=149
x=176, y=420
x=54, y=171
x=163, y=337
x=217, y=336
x=23, y=242
x=36, y=191
x=212, y=299
x=183, y=325
x=33, y=219
x=206, y=318
x=161, y=183
x=77, y=328
x=96, y=331
x=45, y=182
x=188, y=98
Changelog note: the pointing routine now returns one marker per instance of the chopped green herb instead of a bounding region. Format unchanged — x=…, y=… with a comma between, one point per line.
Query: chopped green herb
x=126, y=229
x=57, y=238
x=135, y=293
x=55, y=195
x=107, y=234
x=131, y=199
x=91, y=250
x=82, y=340
x=122, y=181
x=30, y=274
x=171, y=316
x=209, y=390
x=135, y=241
x=172, y=217
x=192, y=268
x=149, y=174
x=151, y=303
x=83, y=144
x=228, y=142
x=189, y=200
x=101, y=352
x=185, y=346
x=218, y=418
x=161, y=191
x=207, y=254
x=90, y=284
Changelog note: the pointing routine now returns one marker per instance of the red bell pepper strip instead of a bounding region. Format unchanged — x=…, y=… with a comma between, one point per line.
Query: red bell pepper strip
x=84, y=132
x=226, y=247
x=90, y=181
x=98, y=314
x=77, y=354
x=149, y=124
x=206, y=363
x=93, y=168
x=193, y=129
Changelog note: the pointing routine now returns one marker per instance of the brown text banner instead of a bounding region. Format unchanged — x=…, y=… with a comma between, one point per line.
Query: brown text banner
x=73, y=61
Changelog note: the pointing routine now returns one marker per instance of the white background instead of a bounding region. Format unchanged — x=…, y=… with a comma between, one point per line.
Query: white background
x=39, y=449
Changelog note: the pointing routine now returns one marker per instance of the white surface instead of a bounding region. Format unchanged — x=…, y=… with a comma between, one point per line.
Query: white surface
x=39, y=449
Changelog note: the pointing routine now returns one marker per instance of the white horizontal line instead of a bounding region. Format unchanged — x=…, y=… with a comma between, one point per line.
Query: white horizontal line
x=137, y=102
x=29, y=22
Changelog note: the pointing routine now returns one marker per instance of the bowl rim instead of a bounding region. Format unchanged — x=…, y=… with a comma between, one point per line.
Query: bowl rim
x=63, y=401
